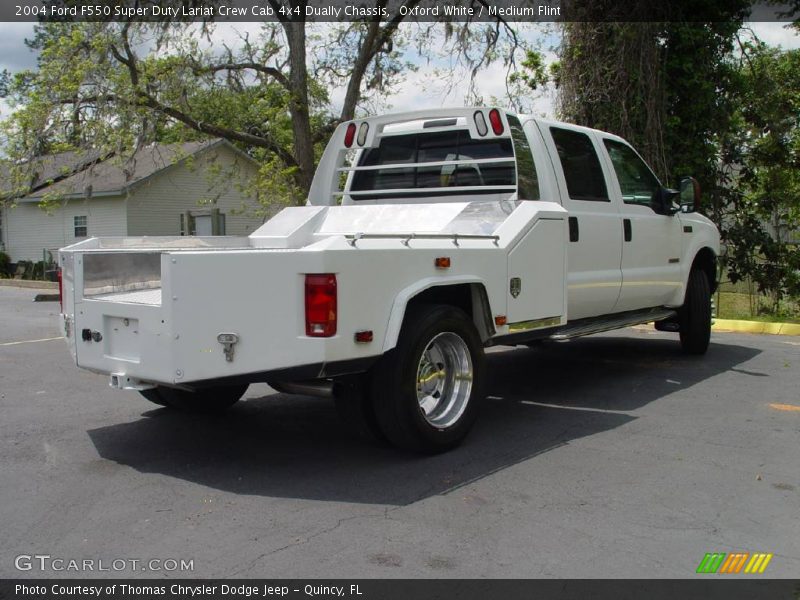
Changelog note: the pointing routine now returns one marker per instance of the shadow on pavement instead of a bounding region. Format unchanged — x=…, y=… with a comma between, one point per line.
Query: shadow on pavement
x=295, y=447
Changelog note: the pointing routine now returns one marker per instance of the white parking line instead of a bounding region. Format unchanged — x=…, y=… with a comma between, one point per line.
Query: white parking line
x=582, y=408
x=31, y=341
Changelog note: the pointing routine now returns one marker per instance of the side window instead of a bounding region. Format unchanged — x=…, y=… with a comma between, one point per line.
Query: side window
x=80, y=226
x=636, y=180
x=582, y=170
x=527, y=179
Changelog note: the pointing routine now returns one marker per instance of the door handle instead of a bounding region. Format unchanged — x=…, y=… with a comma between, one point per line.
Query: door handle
x=626, y=228
x=574, y=230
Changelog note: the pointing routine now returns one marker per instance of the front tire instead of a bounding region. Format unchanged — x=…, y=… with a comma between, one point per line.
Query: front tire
x=210, y=399
x=695, y=314
x=426, y=392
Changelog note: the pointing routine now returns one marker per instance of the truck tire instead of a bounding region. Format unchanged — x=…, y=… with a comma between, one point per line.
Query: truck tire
x=695, y=315
x=355, y=407
x=426, y=392
x=211, y=399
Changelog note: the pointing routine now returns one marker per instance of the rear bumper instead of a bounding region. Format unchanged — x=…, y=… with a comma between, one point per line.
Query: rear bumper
x=325, y=370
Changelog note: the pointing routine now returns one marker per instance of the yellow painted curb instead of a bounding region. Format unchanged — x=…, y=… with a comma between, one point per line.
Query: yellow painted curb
x=29, y=283
x=756, y=327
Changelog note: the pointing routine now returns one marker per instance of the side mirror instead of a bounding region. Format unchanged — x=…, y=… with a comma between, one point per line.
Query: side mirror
x=690, y=194
x=665, y=201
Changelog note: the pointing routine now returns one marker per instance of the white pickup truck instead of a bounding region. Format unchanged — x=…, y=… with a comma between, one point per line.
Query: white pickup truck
x=427, y=237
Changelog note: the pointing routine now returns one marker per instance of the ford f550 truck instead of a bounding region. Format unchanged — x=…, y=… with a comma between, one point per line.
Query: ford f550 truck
x=427, y=237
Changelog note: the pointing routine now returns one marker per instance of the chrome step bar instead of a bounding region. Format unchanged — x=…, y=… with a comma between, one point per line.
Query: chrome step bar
x=636, y=317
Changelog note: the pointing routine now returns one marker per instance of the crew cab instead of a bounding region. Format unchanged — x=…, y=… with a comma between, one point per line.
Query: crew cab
x=426, y=238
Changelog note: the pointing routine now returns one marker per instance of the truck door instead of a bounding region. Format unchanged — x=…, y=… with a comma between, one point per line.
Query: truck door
x=594, y=250
x=651, y=270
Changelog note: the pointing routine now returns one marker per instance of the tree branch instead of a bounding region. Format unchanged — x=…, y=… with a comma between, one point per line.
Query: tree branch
x=243, y=66
x=149, y=101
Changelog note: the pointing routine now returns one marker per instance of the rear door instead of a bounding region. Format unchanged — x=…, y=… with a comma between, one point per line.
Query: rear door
x=595, y=242
x=651, y=270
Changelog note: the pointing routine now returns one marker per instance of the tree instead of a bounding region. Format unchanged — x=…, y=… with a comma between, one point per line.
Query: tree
x=122, y=84
x=658, y=84
x=762, y=229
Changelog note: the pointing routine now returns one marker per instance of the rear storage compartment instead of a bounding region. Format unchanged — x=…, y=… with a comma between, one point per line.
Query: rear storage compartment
x=123, y=277
x=115, y=319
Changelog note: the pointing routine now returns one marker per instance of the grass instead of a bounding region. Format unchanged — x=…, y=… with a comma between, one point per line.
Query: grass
x=737, y=305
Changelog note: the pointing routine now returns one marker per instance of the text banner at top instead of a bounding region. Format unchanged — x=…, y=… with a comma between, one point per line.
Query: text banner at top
x=222, y=11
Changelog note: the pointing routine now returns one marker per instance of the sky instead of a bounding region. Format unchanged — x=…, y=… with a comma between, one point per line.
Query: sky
x=418, y=90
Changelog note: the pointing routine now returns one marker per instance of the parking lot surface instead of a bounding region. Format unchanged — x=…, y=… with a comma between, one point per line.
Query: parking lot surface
x=608, y=456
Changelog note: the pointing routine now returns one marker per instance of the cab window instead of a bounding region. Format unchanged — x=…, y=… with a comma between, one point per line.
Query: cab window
x=582, y=170
x=636, y=181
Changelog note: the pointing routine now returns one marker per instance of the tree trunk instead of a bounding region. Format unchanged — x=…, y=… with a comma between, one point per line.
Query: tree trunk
x=298, y=104
x=366, y=54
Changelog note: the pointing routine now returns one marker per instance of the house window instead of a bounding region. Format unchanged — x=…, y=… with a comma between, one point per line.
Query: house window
x=81, y=229
x=203, y=223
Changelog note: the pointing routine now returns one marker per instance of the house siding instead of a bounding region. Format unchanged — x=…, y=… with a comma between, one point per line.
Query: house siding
x=155, y=206
x=29, y=229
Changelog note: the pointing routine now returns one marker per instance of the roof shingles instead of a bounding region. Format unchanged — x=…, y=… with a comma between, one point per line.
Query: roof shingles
x=114, y=175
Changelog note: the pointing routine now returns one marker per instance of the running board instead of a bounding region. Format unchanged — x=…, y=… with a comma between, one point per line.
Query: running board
x=609, y=322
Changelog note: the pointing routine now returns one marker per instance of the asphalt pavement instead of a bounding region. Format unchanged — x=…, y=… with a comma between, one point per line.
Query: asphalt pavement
x=608, y=456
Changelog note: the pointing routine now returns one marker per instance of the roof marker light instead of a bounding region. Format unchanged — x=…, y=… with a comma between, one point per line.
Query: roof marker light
x=362, y=133
x=496, y=120
x=480, y=123
x=350, y=134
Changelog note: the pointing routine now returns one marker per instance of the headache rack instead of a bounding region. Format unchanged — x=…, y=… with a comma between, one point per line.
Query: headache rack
x=454, y=152
x=434, y=163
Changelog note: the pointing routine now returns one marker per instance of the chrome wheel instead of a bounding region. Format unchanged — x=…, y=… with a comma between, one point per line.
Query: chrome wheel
x=444, y=379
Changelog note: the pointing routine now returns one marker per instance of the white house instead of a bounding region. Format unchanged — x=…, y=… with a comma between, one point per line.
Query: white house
x=196, y=188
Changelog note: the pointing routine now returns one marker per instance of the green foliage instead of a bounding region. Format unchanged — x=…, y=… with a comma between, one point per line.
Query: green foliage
x=697, y=100
x=5, y=265
x=656, y=84
x=533, y=71
x=34, y=270
x=762, y=227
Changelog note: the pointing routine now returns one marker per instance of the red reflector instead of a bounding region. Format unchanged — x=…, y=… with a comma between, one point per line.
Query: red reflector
x=496, y=120
x=350, y=135
x=500, y=320
x=61, y=290
x=442, y=262
x=321, y=305
x=363, y=337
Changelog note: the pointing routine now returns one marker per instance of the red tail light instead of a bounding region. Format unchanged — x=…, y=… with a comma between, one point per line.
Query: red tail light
x=60, y=289
x=350, y=135
x=321, y=305
x=496, y=120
